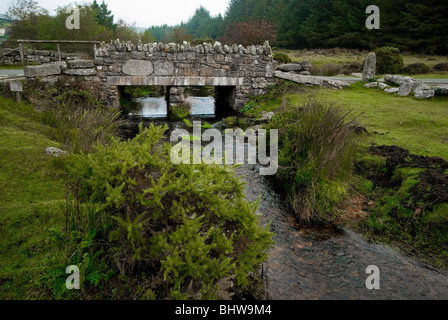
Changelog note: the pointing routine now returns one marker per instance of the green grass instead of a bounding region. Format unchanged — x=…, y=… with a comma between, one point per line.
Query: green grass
x=326, y=56
x=15, y=66
x=31, y=201
x=421, y=126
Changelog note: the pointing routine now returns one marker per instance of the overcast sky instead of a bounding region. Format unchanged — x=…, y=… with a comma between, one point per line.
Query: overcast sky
x=143, y=13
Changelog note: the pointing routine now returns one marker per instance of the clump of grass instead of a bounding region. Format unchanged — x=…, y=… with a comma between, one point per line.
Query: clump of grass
x=79, y=119
x=316, y=151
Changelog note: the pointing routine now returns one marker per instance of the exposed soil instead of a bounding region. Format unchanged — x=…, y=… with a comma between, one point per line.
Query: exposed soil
x=432, y=187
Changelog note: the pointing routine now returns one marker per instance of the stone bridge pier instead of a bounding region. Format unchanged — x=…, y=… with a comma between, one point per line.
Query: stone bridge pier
x=236, y=72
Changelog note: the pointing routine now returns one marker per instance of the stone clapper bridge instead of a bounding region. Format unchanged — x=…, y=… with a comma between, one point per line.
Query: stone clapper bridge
x=236, y=72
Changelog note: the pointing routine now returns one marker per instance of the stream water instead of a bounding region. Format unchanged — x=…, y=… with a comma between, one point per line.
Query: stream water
x=308, y=263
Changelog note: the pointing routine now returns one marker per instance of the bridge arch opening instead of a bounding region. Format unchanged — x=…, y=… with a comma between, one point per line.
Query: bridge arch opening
x=156, y=101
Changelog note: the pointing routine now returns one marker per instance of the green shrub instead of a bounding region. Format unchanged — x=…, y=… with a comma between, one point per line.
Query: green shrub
x=282, y=57
x=388, y=60
x=234, y=122
x=185, y=231
x=415, y=68
x=316, y=151
x=179, y=112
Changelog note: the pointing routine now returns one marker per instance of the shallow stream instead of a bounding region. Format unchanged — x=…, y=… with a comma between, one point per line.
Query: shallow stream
x=308, y=263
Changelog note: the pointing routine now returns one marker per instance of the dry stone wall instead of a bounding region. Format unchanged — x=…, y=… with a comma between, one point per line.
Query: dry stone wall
x=248, y=71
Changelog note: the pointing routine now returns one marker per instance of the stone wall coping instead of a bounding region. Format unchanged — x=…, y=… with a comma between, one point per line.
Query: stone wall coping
x=173, y=81
x=217, y=47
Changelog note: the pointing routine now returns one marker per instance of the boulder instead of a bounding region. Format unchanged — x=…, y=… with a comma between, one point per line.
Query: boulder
x=423, y=92
x=383, y=86
x=392, y=79
x=441, y=90
x=306, y=64
x=406, y=88
x=391, y=90
x=42, y=70
x=55, y=152
x=369, y=67
x=265, y=117
x=335, y=84
x=290, y=67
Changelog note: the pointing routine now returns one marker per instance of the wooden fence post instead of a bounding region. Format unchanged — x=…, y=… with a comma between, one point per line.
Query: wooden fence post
x=22, y=56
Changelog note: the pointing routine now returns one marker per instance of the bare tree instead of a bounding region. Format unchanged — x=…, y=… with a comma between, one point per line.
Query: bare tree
x=22, y=9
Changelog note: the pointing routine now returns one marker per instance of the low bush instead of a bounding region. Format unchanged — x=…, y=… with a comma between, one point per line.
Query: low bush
x=282, y=57
x=80, y=119
x=316, y=151
x=415, y=68
x=328, y=70
x=388, y=60
x=441, y=66
x=161, y=231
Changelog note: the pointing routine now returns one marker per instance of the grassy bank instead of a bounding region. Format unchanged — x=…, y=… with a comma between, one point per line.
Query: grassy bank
x=31, y=202
x=404, y=185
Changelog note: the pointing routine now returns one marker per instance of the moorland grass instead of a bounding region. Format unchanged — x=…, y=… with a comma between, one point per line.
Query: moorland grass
x=31, y=201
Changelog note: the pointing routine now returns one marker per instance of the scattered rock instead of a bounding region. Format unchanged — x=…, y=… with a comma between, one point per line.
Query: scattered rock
x=305, y=73
x=55, y=152
x=371, y=85
x=335, y=84
x=391, y=90
x=356, y=75
x=265, y=117
x=383, y=86
x=369, y=67
x=408, y=85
